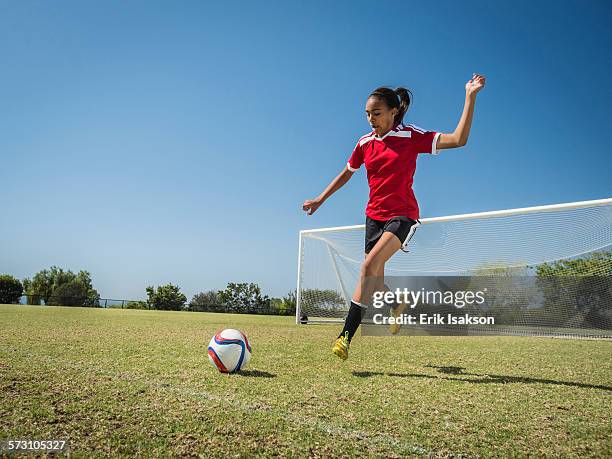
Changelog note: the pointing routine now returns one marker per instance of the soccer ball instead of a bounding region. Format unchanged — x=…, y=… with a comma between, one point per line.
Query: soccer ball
x=229, y=351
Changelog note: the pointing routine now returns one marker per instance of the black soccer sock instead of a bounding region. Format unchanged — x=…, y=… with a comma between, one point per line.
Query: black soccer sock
x=351, y=324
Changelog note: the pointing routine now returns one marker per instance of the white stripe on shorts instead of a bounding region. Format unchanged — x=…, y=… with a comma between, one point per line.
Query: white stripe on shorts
x=410, y=234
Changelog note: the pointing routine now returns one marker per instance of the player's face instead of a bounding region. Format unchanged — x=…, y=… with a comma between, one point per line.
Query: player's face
x=379, y=115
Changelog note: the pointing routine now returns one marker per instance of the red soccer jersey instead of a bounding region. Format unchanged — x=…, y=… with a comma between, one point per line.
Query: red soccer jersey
x=390, y=163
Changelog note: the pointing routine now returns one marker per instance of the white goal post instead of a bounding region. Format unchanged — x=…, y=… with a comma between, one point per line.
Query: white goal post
x=329, y=259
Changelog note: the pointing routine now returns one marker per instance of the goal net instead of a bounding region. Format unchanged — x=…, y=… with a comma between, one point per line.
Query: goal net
x=564, y=242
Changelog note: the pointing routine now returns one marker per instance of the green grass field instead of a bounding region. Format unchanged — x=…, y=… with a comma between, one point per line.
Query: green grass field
x=130, y=382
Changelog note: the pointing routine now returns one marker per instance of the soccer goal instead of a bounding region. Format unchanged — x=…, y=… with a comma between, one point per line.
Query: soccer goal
x=572, y=239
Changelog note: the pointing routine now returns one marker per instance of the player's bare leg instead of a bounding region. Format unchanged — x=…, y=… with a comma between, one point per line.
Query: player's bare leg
x=373, y=267
x=398, y=308
x=373, y=264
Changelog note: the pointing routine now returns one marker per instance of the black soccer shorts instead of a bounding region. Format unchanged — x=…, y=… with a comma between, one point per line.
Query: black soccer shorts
x=402, y=227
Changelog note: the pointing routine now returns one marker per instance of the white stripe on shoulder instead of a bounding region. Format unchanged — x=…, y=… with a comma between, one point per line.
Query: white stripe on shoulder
x=366, y=138
x=417, y=128
x=400, y=134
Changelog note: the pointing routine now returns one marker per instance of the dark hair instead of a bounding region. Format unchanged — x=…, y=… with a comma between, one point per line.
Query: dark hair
x=400, y=99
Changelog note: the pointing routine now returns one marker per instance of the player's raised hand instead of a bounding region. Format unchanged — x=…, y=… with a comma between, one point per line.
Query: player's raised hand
x=310, y=206
x=475, y=84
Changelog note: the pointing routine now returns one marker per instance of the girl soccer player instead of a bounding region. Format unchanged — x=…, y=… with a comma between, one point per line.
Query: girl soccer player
x=389, y=153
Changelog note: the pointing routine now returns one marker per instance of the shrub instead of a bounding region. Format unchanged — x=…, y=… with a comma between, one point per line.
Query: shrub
x=136, y=305
x=205, y=301
x=72, y=293
x=167, y=297
x=10, y=289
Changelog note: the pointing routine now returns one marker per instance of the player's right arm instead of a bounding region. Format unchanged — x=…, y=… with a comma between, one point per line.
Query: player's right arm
x=311, y=205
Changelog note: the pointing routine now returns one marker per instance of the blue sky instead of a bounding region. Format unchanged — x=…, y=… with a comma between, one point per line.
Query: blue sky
x=153, y=142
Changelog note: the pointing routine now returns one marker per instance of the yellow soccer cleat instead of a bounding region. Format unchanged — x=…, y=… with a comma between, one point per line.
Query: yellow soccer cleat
x=341, y=347
x=396, y=312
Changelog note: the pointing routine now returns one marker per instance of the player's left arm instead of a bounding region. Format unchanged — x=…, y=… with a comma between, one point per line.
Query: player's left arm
x=460, y=136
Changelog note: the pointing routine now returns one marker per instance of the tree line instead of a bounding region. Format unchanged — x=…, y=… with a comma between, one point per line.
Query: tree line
x=56, y=286
x=577, y=291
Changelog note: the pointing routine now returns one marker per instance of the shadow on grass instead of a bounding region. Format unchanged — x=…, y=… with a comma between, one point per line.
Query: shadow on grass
x=256, y=374
x=476, y=378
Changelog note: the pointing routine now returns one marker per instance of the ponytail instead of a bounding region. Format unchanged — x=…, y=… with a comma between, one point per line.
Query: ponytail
x=405, y=98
